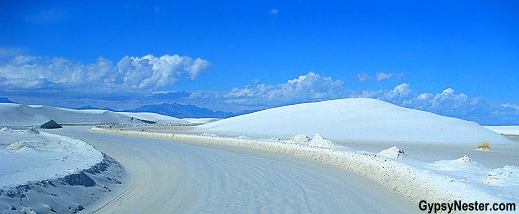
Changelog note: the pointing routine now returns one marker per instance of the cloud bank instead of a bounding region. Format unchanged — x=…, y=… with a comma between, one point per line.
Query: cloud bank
x=130, y=74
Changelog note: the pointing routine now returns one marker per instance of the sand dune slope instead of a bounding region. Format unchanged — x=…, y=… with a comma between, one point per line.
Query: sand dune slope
x=356, y=119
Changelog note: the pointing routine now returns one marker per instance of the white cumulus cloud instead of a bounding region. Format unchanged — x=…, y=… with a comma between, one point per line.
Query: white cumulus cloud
x=379, y=76
x=398, y=95
x=424, y=96
x=383, y=76
x=510, y=106
x=363, y=77
x=304, y=88
x=403, y=89
x=197, y=67
x=446, y=102
x=131, y=73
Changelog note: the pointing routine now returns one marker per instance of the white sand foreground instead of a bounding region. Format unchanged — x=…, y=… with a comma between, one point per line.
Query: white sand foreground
x=173, y=177
x=412, y=174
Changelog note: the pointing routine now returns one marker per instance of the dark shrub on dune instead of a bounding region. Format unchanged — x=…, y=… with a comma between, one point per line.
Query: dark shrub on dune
x=51, y=124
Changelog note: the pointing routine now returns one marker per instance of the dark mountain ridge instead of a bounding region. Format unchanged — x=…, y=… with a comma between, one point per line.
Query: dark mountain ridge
x=185, y=111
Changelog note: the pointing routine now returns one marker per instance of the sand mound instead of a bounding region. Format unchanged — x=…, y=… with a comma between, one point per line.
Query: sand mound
x=393, y=153
x=355, y=119
x=321, y=142
x=18, y=145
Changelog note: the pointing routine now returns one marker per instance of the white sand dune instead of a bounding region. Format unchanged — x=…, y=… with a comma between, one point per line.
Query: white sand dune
x=33, y=115
x=42, y=172
x=23, y=115
x=202, y=120
x=355, y=119
x=36, y=156
x=158, y=118
x=20, y=115
x=505, y=130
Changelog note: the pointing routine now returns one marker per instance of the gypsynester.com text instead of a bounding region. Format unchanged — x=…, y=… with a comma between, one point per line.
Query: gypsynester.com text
x=458, y=205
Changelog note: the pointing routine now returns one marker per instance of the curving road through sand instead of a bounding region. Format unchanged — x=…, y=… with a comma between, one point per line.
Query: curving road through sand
x=176, y=177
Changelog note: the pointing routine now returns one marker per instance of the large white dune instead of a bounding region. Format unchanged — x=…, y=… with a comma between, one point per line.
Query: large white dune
x=355, y=119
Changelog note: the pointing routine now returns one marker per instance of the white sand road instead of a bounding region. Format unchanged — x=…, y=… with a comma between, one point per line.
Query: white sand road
x=176, y=177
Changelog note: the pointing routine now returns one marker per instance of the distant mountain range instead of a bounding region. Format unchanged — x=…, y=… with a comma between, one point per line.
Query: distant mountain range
x=173, y=110
x=89, y=107
x=5, y=100
x=185, y=111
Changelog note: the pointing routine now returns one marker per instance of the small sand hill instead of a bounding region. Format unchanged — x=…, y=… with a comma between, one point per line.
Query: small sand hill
x=22, y=115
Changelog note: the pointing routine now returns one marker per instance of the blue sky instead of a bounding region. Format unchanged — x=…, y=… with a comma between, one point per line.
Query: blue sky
x=455, y=58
